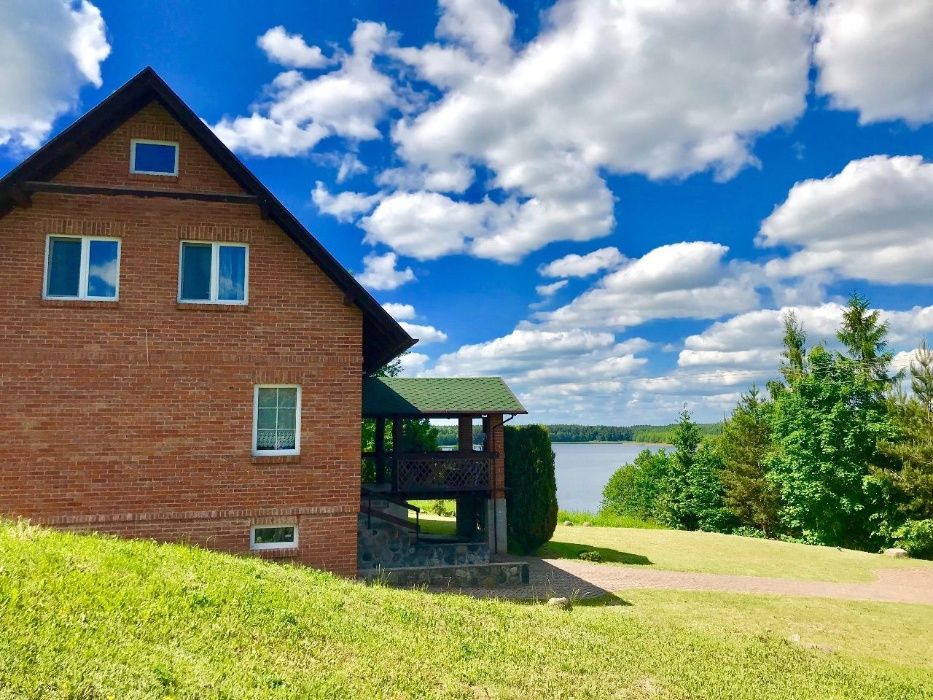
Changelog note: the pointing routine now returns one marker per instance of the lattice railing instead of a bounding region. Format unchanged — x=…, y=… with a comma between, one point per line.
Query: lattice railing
x=444, y=471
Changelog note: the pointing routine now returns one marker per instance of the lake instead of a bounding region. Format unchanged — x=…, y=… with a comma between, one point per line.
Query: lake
x=583, y=468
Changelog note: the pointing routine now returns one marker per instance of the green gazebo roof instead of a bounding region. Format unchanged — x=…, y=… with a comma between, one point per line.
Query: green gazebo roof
x=430, y=396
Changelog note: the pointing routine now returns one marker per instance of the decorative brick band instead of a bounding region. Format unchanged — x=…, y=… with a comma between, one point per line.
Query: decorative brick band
x=83, y=227
x=155, y=131
x=214, y=232
x=250, y=513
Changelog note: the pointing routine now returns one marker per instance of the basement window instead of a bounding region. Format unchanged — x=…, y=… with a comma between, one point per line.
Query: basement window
x=213, y=273
x=79, y=267
x=153, y=157
x=276, y=420
x=273, y=537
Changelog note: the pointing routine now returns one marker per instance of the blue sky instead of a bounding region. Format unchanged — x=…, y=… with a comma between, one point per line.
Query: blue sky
x=608, y=203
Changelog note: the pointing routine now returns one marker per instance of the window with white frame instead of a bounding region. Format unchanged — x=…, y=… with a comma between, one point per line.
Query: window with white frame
x=213, y=273
x=277, y=420
x=273, y=536
x=153, y=157
x=82, y=267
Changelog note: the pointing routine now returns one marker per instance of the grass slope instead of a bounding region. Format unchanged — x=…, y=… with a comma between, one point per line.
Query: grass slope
x=96, y=617
x=677, y=550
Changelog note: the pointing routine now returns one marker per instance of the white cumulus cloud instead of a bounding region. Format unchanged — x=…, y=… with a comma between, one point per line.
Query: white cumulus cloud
x=381, y=272
x=874, y=57
x=344, y=206
x=290, y=50
x=49, y=49
x=574, y=265
x=872, y=221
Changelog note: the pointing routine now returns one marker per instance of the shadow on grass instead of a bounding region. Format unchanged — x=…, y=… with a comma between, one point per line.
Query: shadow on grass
x=568, y=550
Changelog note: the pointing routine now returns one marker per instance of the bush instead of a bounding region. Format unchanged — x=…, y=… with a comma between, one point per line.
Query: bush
x=443, y=508
x=590, y=555
x=916, y=537
x=634, y=489
x=531, y=494
x=746, y=531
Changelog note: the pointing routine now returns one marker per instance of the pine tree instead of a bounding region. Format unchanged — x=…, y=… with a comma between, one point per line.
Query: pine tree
x=864, y=337
x=921, y=375
x=793, y=366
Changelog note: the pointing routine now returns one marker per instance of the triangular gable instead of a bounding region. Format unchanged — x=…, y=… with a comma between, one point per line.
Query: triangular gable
x=383, y=337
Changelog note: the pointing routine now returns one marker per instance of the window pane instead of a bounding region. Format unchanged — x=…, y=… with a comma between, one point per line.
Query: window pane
x=267, y=398
x=274, y=535
x=285, y=439
x=155, y=158
x=266, y=419
x=288, y=397
x=286, y=419
x=265, y=440
x=232, y=282
x=102, y=269
x=195, y=271
x=64, y=267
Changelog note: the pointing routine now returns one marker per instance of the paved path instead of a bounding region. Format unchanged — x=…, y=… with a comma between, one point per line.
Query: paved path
x=566, y=577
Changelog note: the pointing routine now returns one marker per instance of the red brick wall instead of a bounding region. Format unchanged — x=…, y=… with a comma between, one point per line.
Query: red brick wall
x=135, y=417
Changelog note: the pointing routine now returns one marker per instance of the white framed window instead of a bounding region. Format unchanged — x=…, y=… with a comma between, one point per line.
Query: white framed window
x=81, y=267
x=276, y=419
x=149, y=157
x=213, y=273
x=273, y=536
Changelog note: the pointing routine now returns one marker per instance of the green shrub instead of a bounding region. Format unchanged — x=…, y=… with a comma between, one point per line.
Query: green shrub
x=531, y=494
x=746, y=531
x=916, y=536
x=590, y=555
x=443, y=508
x=634, y=489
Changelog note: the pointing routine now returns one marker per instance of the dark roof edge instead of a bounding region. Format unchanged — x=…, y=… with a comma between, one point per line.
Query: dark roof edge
x=391, y=338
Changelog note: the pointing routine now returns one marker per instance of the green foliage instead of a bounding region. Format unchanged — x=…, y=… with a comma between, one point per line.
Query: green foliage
x=921, y=376
x=590, y=555
x=827, y=429
x=743, y=448
x=531, y=495
x=634, y=489
x=916, y=536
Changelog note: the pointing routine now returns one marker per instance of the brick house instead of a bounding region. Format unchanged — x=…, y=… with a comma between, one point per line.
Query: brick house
x=179, y=358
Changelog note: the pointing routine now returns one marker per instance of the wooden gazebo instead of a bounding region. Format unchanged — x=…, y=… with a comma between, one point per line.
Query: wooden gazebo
x=472, y=474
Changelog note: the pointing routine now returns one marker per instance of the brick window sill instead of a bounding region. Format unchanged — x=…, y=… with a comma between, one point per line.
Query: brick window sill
x=289, y=553
x=145, y=177
x=229, y=308
x=80, y=303
x=276, y=459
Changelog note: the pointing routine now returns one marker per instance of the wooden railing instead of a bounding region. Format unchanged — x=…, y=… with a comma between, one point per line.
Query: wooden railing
x=443, y=472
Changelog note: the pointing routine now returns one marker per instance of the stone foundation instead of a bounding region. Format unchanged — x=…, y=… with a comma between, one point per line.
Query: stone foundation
x=493, y=575
x=388, y=547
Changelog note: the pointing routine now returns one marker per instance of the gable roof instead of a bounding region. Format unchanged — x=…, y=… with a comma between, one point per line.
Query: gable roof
x=383, y=337
x=436, y=396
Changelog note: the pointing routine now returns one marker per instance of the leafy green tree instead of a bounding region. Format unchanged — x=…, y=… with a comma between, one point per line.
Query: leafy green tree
x=674, y=504
x=743, y=446
x=827, y=427
x=705, y=492
x=634, y=488
x=793, y=364
x=531, y=487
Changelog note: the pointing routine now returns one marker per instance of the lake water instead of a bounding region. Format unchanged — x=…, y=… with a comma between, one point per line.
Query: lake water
x=583, y=468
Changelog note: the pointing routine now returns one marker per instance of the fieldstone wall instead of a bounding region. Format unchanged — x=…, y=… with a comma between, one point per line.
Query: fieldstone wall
x=382, y=545
x=491, y=575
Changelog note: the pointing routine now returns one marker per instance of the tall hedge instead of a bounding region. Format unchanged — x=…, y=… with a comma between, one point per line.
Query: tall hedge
x=531, y=487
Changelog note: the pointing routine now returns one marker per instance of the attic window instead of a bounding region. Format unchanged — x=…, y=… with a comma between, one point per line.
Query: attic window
x=153, y=157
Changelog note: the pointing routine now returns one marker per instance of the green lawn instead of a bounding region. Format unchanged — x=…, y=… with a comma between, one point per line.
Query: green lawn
x=677, y=550
x=95, y=617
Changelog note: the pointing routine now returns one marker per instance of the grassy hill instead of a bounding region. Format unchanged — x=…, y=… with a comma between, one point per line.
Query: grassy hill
x=96, y=617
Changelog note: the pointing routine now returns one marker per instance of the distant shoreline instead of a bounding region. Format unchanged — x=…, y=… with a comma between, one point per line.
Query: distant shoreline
x=610, y=442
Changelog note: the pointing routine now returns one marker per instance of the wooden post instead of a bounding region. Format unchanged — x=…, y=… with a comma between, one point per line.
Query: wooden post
x=396, y=449
x=380, y=450
x=465, y=433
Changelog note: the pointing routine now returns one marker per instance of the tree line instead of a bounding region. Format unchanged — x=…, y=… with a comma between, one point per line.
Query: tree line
x=839, y=451
x=564, y=432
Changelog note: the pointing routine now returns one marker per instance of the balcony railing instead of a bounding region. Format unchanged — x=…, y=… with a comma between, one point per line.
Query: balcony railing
x=432, y=472
x=444, y=471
